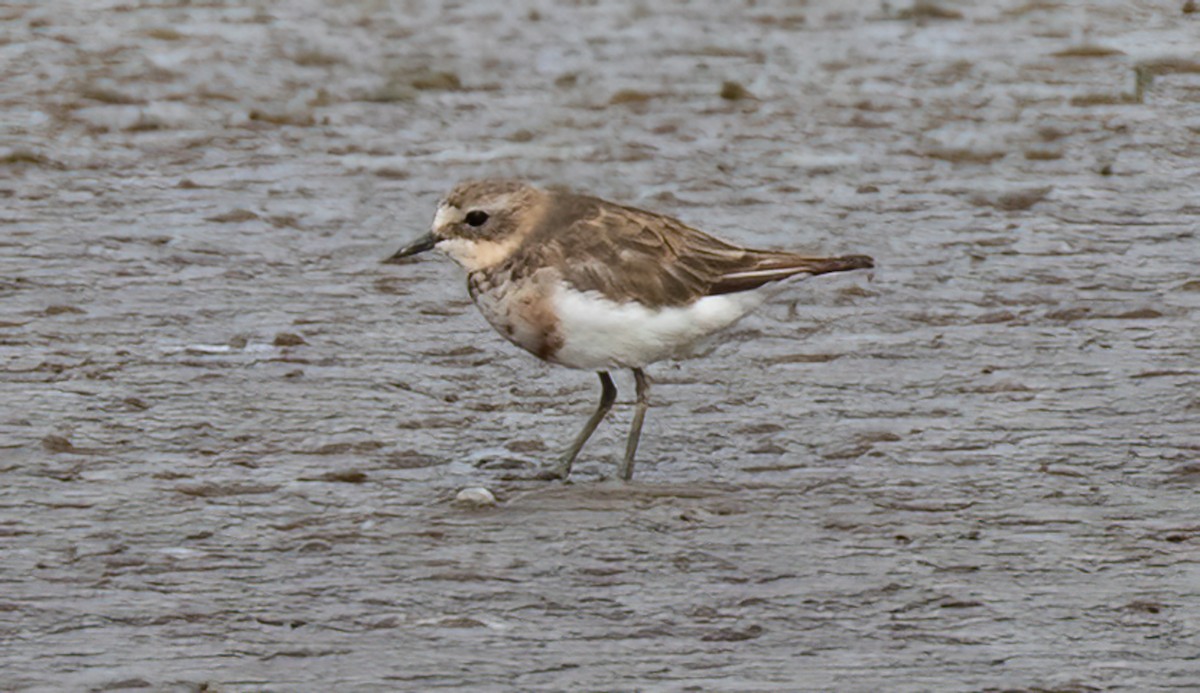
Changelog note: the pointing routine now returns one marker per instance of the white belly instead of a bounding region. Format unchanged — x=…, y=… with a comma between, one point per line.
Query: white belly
x=597, y=333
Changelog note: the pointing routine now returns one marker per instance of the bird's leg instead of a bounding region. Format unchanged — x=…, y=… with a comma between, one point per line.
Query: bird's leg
x=635, y=431
x=608, y=395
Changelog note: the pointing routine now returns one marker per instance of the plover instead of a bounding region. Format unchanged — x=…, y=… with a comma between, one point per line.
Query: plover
x=589, y=284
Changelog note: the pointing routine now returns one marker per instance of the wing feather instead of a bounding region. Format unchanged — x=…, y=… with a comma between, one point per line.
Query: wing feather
x=629, y=254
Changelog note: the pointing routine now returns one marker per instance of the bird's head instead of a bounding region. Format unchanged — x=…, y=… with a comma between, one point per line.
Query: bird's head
x=480, y=223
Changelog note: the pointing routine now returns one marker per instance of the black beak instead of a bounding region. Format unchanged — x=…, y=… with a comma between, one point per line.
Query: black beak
x=420, y=245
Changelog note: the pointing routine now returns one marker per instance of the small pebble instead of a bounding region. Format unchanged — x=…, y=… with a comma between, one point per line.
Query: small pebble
x=477, y=496
x=287, y=339
x=734, y=91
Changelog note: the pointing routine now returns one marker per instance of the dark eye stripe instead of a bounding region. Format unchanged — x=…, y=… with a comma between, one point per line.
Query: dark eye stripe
x=476, y=217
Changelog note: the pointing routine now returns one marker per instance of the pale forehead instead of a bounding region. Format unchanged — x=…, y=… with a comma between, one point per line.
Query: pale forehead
x=446, y=215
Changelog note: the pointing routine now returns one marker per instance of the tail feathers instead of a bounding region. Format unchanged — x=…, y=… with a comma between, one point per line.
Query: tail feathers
x=777, y=268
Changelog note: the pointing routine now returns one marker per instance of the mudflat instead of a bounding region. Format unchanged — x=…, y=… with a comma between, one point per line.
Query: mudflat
x=230, y=439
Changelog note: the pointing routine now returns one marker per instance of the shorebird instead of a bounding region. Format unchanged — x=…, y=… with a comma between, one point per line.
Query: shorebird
x=590, y=284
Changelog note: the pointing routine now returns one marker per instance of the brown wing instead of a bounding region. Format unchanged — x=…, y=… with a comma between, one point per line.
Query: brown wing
x=772, y=266
x=627, y=254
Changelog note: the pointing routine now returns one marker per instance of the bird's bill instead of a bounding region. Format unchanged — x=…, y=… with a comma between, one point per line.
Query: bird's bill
x=420, y=245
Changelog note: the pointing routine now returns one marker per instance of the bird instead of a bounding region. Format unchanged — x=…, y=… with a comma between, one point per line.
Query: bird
x=589, y=284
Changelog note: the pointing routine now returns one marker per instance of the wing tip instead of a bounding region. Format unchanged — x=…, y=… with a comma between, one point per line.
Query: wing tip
x=844, y=263
x=853, y=262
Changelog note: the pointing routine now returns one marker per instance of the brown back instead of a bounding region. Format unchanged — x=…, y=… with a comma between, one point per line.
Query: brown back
x=629, y=254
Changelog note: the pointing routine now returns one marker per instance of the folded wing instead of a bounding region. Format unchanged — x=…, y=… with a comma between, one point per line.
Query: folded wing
x=629, y=254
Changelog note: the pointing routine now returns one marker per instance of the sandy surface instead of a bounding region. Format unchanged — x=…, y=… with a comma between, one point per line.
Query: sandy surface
x=230, y=438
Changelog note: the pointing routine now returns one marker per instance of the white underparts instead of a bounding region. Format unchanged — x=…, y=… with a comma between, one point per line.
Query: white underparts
x=598, y=333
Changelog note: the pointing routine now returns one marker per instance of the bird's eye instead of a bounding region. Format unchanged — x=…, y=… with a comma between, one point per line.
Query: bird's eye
x=477, y=217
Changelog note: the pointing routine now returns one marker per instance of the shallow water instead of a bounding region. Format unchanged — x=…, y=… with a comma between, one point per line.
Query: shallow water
x=231, y=438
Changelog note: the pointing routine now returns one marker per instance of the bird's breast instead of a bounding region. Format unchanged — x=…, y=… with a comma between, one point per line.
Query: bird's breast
x=520, y=309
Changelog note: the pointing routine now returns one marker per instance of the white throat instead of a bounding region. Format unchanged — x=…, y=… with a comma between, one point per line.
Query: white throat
x=477, y=255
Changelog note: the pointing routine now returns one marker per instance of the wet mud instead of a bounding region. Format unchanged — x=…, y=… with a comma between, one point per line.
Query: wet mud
x=231, y=440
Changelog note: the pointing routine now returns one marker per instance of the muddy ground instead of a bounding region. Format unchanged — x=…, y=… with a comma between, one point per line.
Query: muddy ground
x=230, y=438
